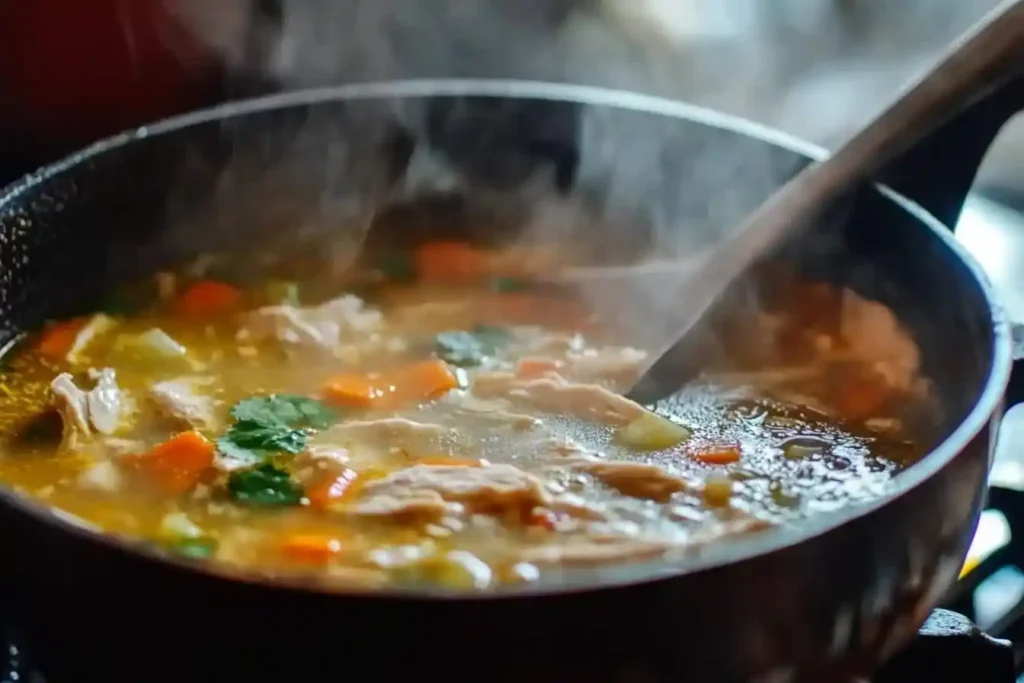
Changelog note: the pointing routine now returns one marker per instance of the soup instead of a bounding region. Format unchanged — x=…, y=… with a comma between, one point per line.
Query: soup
x=442, y=419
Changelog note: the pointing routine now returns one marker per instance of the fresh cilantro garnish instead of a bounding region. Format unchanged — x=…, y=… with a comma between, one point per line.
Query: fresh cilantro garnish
x=194, y=548
x=266, y=425
x=284, y=409
x=265, y=486
x=466, y=349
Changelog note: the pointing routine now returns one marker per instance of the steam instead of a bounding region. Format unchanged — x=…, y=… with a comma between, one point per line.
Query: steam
x=641, y=179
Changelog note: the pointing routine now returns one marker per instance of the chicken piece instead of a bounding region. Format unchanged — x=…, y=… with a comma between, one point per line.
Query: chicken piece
x=554, y=394
x=612, y=364
x=635, y=479
x=434, y=491
x=85, y=413
x=178, y=400
x=494, y=410
x=314, y=327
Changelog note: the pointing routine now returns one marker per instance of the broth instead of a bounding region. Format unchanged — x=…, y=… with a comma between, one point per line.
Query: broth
x=456, y=424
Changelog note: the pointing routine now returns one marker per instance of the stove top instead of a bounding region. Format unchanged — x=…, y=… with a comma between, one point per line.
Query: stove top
x=979, y=629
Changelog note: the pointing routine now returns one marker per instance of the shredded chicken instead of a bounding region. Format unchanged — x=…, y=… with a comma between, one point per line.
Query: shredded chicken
x=436, y=490
x=98, y=325
x=324, y=326
x=86, y=413
x=178, y=399
x=635, y=479
x=606, y=364
x=497, y=410
x=554, y=394
x=389, y=429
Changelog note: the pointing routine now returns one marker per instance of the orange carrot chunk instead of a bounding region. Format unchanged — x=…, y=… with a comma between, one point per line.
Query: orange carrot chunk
x=716, y=454
x=58, y=338
x=450, y=262
x=178, y=463
x=401, y=386
x=311, y=548
x=354, y=391
x=330, y=488
x=209, y=298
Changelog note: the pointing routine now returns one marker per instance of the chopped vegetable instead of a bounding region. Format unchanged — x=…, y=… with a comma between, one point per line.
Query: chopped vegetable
x=397, y=267
x=331, y=488
x=281, y=293
x=407, y=384
x=311, y=548
x=178, y=525
x=194, y=548
x=266, y=425
x=651, y=432
x=209, y=299
x=264, y=486
x=179, y=463
x=97, y=325
x=58, y=338
x=154, y=346
x=450, y=262
x=802, y=447
x=718, y=491
x=467, y=349
x=716, y=454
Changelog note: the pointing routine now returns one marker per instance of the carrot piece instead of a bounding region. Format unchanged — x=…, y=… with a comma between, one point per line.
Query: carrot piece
x=544, y=518
x=311, y=548
x=450, y=262
x=355, y=391
x=407, y=384
x=716, y=454
x=535, y=367
x=329, y=489
x=209, y=298
x=446, y=461
x=178, y=463
x=58, y=338
x=425, y=379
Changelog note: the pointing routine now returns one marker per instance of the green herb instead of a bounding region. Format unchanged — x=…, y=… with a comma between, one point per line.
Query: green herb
x=266, y=425
x=264, y=486
x=285, y=409
x=397, y=267
x=466, y=349
x=200, y=548
x=504, y=285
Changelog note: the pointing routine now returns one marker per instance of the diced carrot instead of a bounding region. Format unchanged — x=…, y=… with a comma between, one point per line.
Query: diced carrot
x=311, y=548
x=444, y=460
x=330, y=488
x=450, y=262
x=209, y=298
x=354, y=391
x=407, y=384
x=862, y=397
x=178, y=463
x=425, y=379
x=58, y=338
x=716, y=454
x=536, y=367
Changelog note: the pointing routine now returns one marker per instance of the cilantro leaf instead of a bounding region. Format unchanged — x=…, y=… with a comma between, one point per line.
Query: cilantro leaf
x=466, y=349
x=291, y=411
x=264, y=486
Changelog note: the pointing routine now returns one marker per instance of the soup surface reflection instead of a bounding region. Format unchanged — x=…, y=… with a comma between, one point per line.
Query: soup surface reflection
x=443, y=419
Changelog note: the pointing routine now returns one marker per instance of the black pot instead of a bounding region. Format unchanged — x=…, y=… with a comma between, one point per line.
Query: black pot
x=827, y=598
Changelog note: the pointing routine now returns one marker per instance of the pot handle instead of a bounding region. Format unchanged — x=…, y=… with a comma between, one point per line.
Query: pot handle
x=937, y=173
